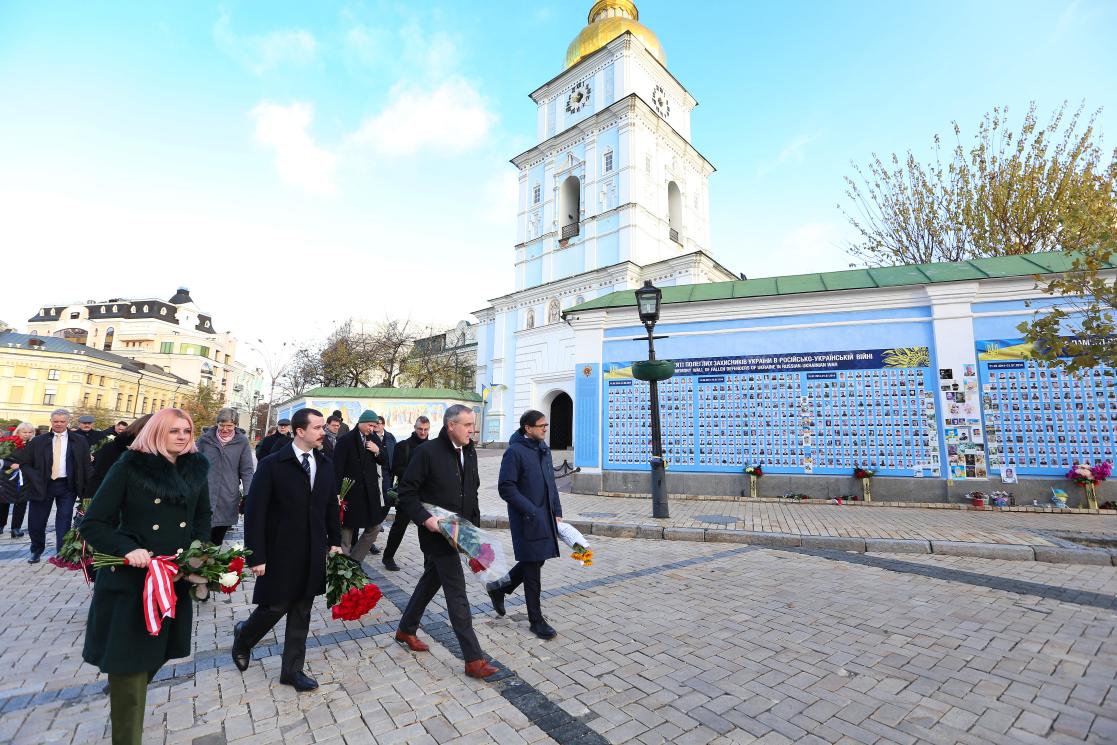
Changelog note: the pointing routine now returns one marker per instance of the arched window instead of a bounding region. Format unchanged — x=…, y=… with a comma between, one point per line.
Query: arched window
x=530, y=323
x=162, y=311
x=553, y=311
x=108, y=339
x=607, y=160
x=675, y=210
x=145, y=309
x=570, y=206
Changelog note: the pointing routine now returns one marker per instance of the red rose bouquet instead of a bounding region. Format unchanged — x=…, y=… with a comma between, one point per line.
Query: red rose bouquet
x=349, y=592
x=206, y=567
x=74, y=553
x=862, y=473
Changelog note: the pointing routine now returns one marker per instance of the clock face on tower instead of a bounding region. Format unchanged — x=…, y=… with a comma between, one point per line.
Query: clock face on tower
x=578, y=98
x=660, y=102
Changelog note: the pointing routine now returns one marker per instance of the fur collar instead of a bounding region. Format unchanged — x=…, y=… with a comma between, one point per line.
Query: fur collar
x=169, y=481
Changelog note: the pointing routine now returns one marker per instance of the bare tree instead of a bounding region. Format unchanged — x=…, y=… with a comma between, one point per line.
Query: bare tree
x=391, y=342
x=1042, y=188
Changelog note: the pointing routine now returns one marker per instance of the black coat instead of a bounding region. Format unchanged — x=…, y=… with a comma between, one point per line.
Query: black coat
x=162, y=507
x=290, y=527
x=38, y=457
x=351, y=460
x=271, y=444
x=436, y=476
x=104, y=458
x=527, y=484
x=402, y=455
x=387, y=445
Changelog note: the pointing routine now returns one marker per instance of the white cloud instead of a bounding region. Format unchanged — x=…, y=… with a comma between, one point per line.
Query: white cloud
x=262, y=53
x=300, y=162
x=451, y=117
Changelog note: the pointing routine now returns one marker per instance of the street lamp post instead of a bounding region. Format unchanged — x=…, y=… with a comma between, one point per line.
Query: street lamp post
x=648, y=300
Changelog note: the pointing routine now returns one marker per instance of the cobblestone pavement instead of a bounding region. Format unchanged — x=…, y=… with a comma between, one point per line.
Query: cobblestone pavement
x=1031, y=528
x=659, y=641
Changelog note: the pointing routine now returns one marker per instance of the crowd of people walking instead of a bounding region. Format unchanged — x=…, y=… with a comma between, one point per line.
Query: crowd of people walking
x=157, y=485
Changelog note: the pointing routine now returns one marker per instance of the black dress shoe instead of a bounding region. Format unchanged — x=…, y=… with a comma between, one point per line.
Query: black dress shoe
x=496, y=595
x=301, y=682
x=373, y=549
x=390, y=564
x=34, y=559
x=240, y=658
x=17, y=534
x=543, y=630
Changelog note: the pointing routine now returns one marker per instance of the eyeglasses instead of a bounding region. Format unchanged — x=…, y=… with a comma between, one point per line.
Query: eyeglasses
x=540, y=426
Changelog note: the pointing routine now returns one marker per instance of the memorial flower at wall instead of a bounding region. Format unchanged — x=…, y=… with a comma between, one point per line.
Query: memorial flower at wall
x=1088, y=477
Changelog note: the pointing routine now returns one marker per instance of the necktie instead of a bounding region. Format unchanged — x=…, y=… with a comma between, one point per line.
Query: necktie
x=56, y=464
x=306, y=463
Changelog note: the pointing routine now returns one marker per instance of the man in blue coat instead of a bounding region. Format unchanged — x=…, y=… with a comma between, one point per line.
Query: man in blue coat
x=527, y=484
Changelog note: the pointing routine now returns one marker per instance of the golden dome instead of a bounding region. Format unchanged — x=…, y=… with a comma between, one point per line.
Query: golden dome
x=607, y=20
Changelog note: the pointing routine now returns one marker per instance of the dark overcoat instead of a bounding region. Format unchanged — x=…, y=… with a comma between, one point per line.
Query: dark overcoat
x=162, y=507
x=38, y=456
x=351, y=460
x=527, y=484
x=290, y=527
x=271, y=444
x=436, y=476
x=104, y=459
x=387, y=445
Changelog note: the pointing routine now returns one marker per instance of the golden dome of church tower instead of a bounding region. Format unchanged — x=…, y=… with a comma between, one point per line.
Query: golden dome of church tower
x=607, y=20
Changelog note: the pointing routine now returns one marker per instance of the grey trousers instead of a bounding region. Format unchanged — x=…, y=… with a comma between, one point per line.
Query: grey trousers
x=359, y=550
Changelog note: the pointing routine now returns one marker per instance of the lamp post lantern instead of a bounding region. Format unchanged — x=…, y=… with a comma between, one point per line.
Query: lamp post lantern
x=648, y=300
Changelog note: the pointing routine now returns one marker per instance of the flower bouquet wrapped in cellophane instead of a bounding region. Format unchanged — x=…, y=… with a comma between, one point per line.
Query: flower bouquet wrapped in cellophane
x=580, y=547
x=483, y=554
x=74, y=553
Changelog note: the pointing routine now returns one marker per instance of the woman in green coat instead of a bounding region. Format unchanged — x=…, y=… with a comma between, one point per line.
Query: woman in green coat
x=153, y=502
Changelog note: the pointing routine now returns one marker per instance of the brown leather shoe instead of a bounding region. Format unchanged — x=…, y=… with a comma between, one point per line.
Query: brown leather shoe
x=412, y=642
x=479, y=669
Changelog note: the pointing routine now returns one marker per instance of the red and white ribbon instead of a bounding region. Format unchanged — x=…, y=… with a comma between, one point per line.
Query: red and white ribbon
x=159, y=592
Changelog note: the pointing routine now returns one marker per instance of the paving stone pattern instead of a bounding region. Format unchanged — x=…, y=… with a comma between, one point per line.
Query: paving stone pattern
x=659, y=642
x=1027, y=528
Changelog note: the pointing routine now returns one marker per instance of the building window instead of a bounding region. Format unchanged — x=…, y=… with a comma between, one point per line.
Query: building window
x=580, y=299
x=167, y=347
x=530, y=323
x=207, y=324
x=133, y=309
x=108, y=338
x=162, y=311
x=85, y=399
x=114, y=310
x=97, y=403
x=89, y=378
x=102, y=309
x=143, y=407
x=608, y=161
x=52, y=375
x=536, y=194
x=119, y=400
x=74, y=316
x=129, y=402
x=101, y=382
x=17, y=394
x=48, y=399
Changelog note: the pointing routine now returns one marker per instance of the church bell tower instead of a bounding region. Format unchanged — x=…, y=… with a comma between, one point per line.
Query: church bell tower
x=614, y=177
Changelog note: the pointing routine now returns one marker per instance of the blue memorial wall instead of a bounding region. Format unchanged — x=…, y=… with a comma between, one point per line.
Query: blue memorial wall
x=824, y=393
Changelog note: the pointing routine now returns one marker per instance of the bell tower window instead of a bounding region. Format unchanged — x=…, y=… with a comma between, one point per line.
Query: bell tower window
x=674, y=211
x=607, y=161
x=570, y=206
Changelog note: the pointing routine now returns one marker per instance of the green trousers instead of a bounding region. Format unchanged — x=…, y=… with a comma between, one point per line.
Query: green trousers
x=127, y=701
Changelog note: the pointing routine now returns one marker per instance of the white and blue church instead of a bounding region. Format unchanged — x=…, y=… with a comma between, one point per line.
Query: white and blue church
x=918, y=373
x=613, y=194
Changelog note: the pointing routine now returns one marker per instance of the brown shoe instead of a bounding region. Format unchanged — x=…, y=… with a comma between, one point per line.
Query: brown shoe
x=479, y=669
x=412, y=642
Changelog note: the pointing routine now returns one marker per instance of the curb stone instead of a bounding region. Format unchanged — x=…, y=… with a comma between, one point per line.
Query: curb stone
x=1001, y=551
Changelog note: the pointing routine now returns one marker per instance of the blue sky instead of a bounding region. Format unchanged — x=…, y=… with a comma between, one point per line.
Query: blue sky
x=298, y=163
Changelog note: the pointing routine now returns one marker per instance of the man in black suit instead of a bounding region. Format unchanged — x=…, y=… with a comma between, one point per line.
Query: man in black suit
x=443, y=473
x=275, y=441
x=85, y=429
x=402, y=456
x=290, y=526
x=56, y=467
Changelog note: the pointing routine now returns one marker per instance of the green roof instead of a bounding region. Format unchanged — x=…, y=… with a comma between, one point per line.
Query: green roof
x=850, y=279
x=436, y=393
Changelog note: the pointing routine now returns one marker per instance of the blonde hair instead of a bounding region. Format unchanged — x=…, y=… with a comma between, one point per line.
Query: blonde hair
x=151, y=438
x=23, y=427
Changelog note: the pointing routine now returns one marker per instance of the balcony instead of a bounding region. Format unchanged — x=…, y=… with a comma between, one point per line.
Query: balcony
x=571, y=230
x=674, y=235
